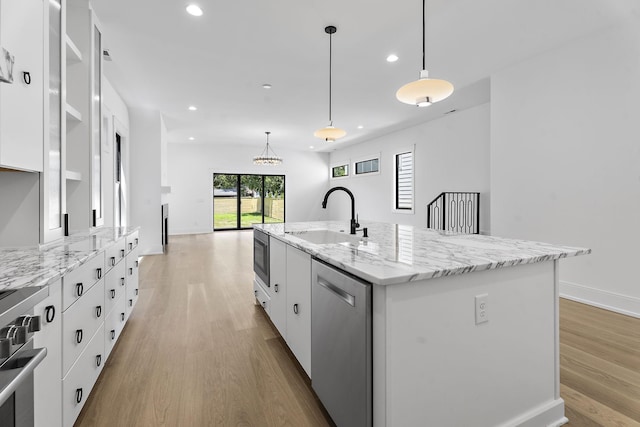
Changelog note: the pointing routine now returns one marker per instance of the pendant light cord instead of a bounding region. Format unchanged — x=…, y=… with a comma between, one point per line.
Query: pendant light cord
x=330, y=56
x=424, y=13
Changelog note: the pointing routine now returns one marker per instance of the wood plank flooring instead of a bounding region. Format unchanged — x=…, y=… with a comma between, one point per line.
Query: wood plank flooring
x=198, y=352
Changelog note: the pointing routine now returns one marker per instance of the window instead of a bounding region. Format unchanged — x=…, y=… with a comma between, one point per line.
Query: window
x=340, y=171
x=404, y=181
x=367, y=166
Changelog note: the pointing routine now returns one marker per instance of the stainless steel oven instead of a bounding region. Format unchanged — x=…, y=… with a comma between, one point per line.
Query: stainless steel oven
x=18, y=358
x=261, y=255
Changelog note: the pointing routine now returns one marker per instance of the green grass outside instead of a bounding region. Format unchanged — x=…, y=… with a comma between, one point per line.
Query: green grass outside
x=229, y=220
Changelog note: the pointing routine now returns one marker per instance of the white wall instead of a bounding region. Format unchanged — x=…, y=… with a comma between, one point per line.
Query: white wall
x=565, y=160
x=20, y=208
x=191, y=167
x=144, y=172
x=451, y=154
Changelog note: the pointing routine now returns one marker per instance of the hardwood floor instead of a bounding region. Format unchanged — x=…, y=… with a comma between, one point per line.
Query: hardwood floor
x=599, y=366
x=198, y=352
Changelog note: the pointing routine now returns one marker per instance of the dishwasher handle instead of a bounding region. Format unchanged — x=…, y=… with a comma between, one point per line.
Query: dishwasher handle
x=343, y=295
x=12, y=378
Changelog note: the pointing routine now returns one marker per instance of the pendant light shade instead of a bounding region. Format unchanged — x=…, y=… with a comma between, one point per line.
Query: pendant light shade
x=330, y=133
x=424, y=91
x=268, y=156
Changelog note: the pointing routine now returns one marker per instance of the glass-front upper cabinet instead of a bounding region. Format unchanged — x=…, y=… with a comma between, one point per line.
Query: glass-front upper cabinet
x=97, y=196
x=53, y=188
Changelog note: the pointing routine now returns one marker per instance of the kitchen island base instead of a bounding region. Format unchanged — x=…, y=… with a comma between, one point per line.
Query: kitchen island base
x=434, y=366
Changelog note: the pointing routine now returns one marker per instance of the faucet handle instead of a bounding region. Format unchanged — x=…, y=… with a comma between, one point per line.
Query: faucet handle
x=357, y=221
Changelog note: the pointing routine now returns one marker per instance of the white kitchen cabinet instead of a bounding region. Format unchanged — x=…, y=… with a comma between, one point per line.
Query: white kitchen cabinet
x=278, y=279
x=288, y=301
x=114, y=286
x=22, y=102
x=131, y=276
x=79, y=323
x=299, y=306
x=113, y=325
x=77, y=384
x=46, y=378
x=77, y=282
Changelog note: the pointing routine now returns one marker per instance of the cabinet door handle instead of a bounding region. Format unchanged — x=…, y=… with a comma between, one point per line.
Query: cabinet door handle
x=121, y=253
x=295, y=308
x=79, y=289
x=49, y=313
x=122, y=281
x=131, y=272
x=136, y=291
x=78, y=395
x=79, y=336
x=98, y=360
x=264, y=304
x=113, y=261
x=122, y=317
x=137, y=263
x=130, y=246
x=113, y=294
x=130, y=303
x=255, y=293
x=99, y=311
x=113, y=334
x=99, y=273
x=275, y=287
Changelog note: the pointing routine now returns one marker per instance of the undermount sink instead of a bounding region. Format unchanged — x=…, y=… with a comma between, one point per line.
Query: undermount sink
x=324, y=237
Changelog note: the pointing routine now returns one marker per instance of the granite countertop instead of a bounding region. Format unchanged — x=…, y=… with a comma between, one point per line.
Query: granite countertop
x=40, y=266
x=402, y=253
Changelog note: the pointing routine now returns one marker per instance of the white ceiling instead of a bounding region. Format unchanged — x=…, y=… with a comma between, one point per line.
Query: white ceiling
x=165, y=59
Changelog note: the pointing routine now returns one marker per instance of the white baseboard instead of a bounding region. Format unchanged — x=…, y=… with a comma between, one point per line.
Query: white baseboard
x=182, y=232
x=611, y=301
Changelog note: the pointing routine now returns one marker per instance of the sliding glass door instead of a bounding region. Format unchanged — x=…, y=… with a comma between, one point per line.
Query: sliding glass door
x=240, y=200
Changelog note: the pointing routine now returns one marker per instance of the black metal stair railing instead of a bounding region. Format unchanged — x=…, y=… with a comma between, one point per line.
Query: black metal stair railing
x=455, y=211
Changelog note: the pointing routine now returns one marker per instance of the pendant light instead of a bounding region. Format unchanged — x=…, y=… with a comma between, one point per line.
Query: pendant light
x=424, y=91
x=265, y=158
x=330, y=133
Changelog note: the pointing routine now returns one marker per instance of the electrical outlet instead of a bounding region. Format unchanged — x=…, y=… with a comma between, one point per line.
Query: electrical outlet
x=482, y=308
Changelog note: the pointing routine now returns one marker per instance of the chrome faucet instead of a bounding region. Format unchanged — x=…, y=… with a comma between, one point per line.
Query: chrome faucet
x=354, y=222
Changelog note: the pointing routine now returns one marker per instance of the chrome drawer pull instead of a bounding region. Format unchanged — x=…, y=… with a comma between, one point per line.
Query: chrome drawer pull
x=113, y=334
x=79, y=336
x=295, y=308
x=113, y=294
x=113, y=261
x=78, y=395
x=99, y=311
x=98, y=360
x=99, y=273
x=79, y=289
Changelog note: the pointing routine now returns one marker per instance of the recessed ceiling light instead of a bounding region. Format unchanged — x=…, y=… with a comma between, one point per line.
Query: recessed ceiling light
x=192, y=108
x=191, y=138
x=194, y=9
x=311, y=146
x=392, y=58
x=360, y=126
x=266, y=86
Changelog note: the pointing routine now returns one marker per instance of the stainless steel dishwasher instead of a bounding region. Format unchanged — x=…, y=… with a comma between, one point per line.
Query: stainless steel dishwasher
x=341, y=371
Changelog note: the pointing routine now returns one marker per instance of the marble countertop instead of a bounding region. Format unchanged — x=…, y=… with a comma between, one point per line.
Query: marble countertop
x=402, y=253
x=40, y=266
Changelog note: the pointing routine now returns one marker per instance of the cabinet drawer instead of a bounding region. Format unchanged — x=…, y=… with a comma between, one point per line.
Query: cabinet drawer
x=78, y=282
x=114, y=254
x=132, y=241
x=113, y=325
x=77, y=384
x=261, y=296
x=80, y=322
x=114, y=286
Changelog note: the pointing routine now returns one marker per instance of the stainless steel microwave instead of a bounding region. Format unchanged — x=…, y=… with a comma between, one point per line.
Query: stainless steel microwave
x=261, y=255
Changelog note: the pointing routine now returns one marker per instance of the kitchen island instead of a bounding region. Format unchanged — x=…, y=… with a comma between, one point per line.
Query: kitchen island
x=464, y=327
